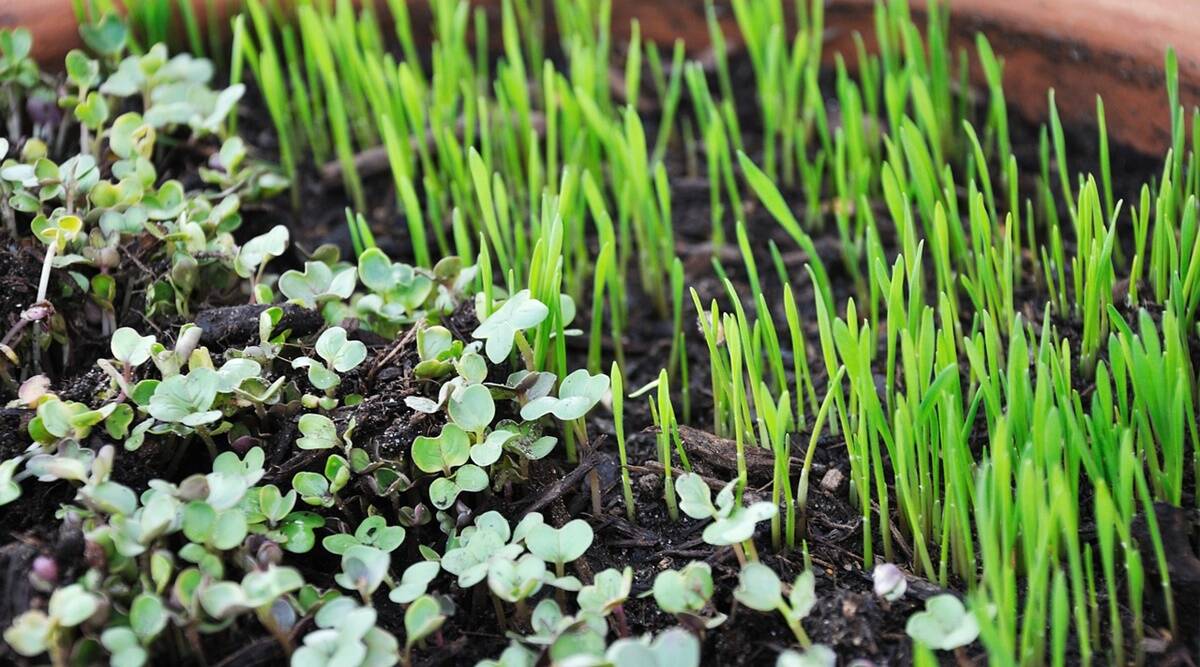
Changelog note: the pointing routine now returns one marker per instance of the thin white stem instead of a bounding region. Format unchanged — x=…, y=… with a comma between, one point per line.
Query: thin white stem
x=44, y=283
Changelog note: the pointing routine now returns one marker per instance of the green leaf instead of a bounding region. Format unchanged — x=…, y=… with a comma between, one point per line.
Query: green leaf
x=444, y=490
x=312, y=487
x=92, y=111
x=686, y=590
x=9, y=490
x=560, y=545
x=363, y=568
x=222, y=599
x=803, y=596
x=319, y=432
x=129, y=347
x=488, y=452
x=265, y=586
x=414, y=581
x=759, y=587
x=695, y=498
x=229, y=530
x=167, y=202
x=317, y=284
x=29, y=635
x=72, y=605
x=514, y=581
x=609, y=589
x=147, y=616
x=260, y=249
x=341, y=354
x=187, y=399
x=107, y=36
x=577, y=394
x=945, y=624
x=130, y=136
x=472, y=408
x=520, y=312
x=449, y=450
x=422, y=618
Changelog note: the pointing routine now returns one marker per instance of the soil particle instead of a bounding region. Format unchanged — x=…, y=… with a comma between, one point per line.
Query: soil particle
x=233, y=326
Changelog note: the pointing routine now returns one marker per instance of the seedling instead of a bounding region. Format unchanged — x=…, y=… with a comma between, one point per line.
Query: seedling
x=686, y=593
x=317, y=432
x=414, y=582
x=337, y=355
x=515, y=581
x=347, y=632
x=470, y=478
x=252, y=257
x=129, y=349
x=472, y=407
x=578, y=393
x=317, y=284
x=187, y=400
x=607, y=594
x=503, y=327
x=732, y=523
x=422, y=618
x=320, y=489
x=35, y=632
x=559, y=545
x=270, y=513
x=443, y=454
x=469, y=561
x=759, y=588
x=372, y=532
x=363, y=569
x=945, y=624
x=673, y=647
x=889, y=581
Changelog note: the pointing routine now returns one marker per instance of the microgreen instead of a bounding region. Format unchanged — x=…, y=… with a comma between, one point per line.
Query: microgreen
x=944, y=624
x=317, y=284
x=889, y=582
x=318, y=432
x=732, y=524
x=759, y=588
x=346, y=633
x=337, y=354
x=444, y=453
x=372, y=532
x=518, y=313
x=560, y=545
x=414, y=582
x=578, y=393
x=687, y=593
x=673, y=647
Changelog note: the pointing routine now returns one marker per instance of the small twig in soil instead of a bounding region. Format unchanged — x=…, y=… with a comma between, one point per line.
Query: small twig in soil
x=386, y=358
x=568, y=482
x=656, y=468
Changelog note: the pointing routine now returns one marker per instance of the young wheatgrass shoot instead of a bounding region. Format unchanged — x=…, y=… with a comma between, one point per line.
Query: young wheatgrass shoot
x=618, y=408
x=661, y=415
